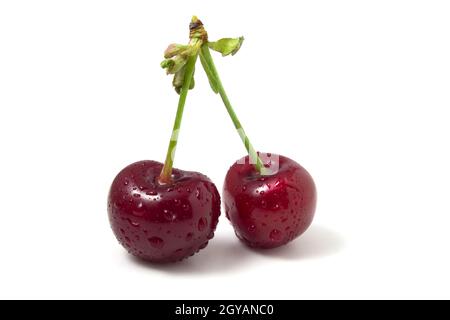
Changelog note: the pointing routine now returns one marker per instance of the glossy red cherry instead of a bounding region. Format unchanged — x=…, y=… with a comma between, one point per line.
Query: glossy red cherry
x=269, y=211
x=162, y=223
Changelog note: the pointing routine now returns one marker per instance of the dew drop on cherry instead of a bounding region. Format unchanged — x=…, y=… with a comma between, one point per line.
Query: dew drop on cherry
x=169, y=215
x=156, y=242
x=275, y=235
x=202, y=224
x=134, y=223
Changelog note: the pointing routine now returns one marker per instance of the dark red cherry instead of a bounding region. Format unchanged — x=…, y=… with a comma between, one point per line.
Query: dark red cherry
x=162, y=223
x=269, y=211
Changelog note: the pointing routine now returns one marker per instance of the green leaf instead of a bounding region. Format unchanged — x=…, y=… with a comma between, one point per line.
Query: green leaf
x=175, y=64
x=192, y=84
x=179, y=78
x=173, y=50
x=167, y=63
x=227, y=46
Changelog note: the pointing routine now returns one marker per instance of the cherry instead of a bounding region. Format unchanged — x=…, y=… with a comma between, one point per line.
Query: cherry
x=268, y=203
x=268, y=211
x=158, y=213
x=162, y=223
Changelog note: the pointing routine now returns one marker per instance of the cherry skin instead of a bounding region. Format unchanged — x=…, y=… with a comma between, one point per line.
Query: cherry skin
x=162, y=223
x=272, y=210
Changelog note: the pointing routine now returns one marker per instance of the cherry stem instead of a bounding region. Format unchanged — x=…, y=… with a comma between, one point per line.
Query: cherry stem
x=166, y=173
x=212, y=73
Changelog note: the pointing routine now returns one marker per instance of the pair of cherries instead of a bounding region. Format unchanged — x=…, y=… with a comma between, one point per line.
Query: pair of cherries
x=162, y=214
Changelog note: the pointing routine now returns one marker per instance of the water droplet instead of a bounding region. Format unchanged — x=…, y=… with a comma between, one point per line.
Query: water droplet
x=156, y=242
x=134, y=188
x=133, y=223
x=169, y=215
x=244, y=188
x=189, y=236
x=262, y=193
x=197, y=193
x=185, y=207
x=275, y=235
x=141, y=188
x=151, y=193
x=188, y=190
x=263, y=204
x=169, y=189
x=202, y=224
x=177, y=202
x=252, y=228
x=136, y=195
x=125, y=183
x=276, y=206
x=140, y=205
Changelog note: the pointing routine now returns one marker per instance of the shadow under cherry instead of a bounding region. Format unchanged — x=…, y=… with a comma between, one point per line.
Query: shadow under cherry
x=228, y=254
x=222, y=255
x=317, y=242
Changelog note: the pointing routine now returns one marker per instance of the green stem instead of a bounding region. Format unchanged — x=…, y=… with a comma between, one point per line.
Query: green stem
x=211, y=71
x=166, y=173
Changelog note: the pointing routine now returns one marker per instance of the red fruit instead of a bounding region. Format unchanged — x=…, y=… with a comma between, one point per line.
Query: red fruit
x=269, y=211
x=162, y=223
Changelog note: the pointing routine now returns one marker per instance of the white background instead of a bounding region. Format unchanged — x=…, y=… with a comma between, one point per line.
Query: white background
x=355, y=91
